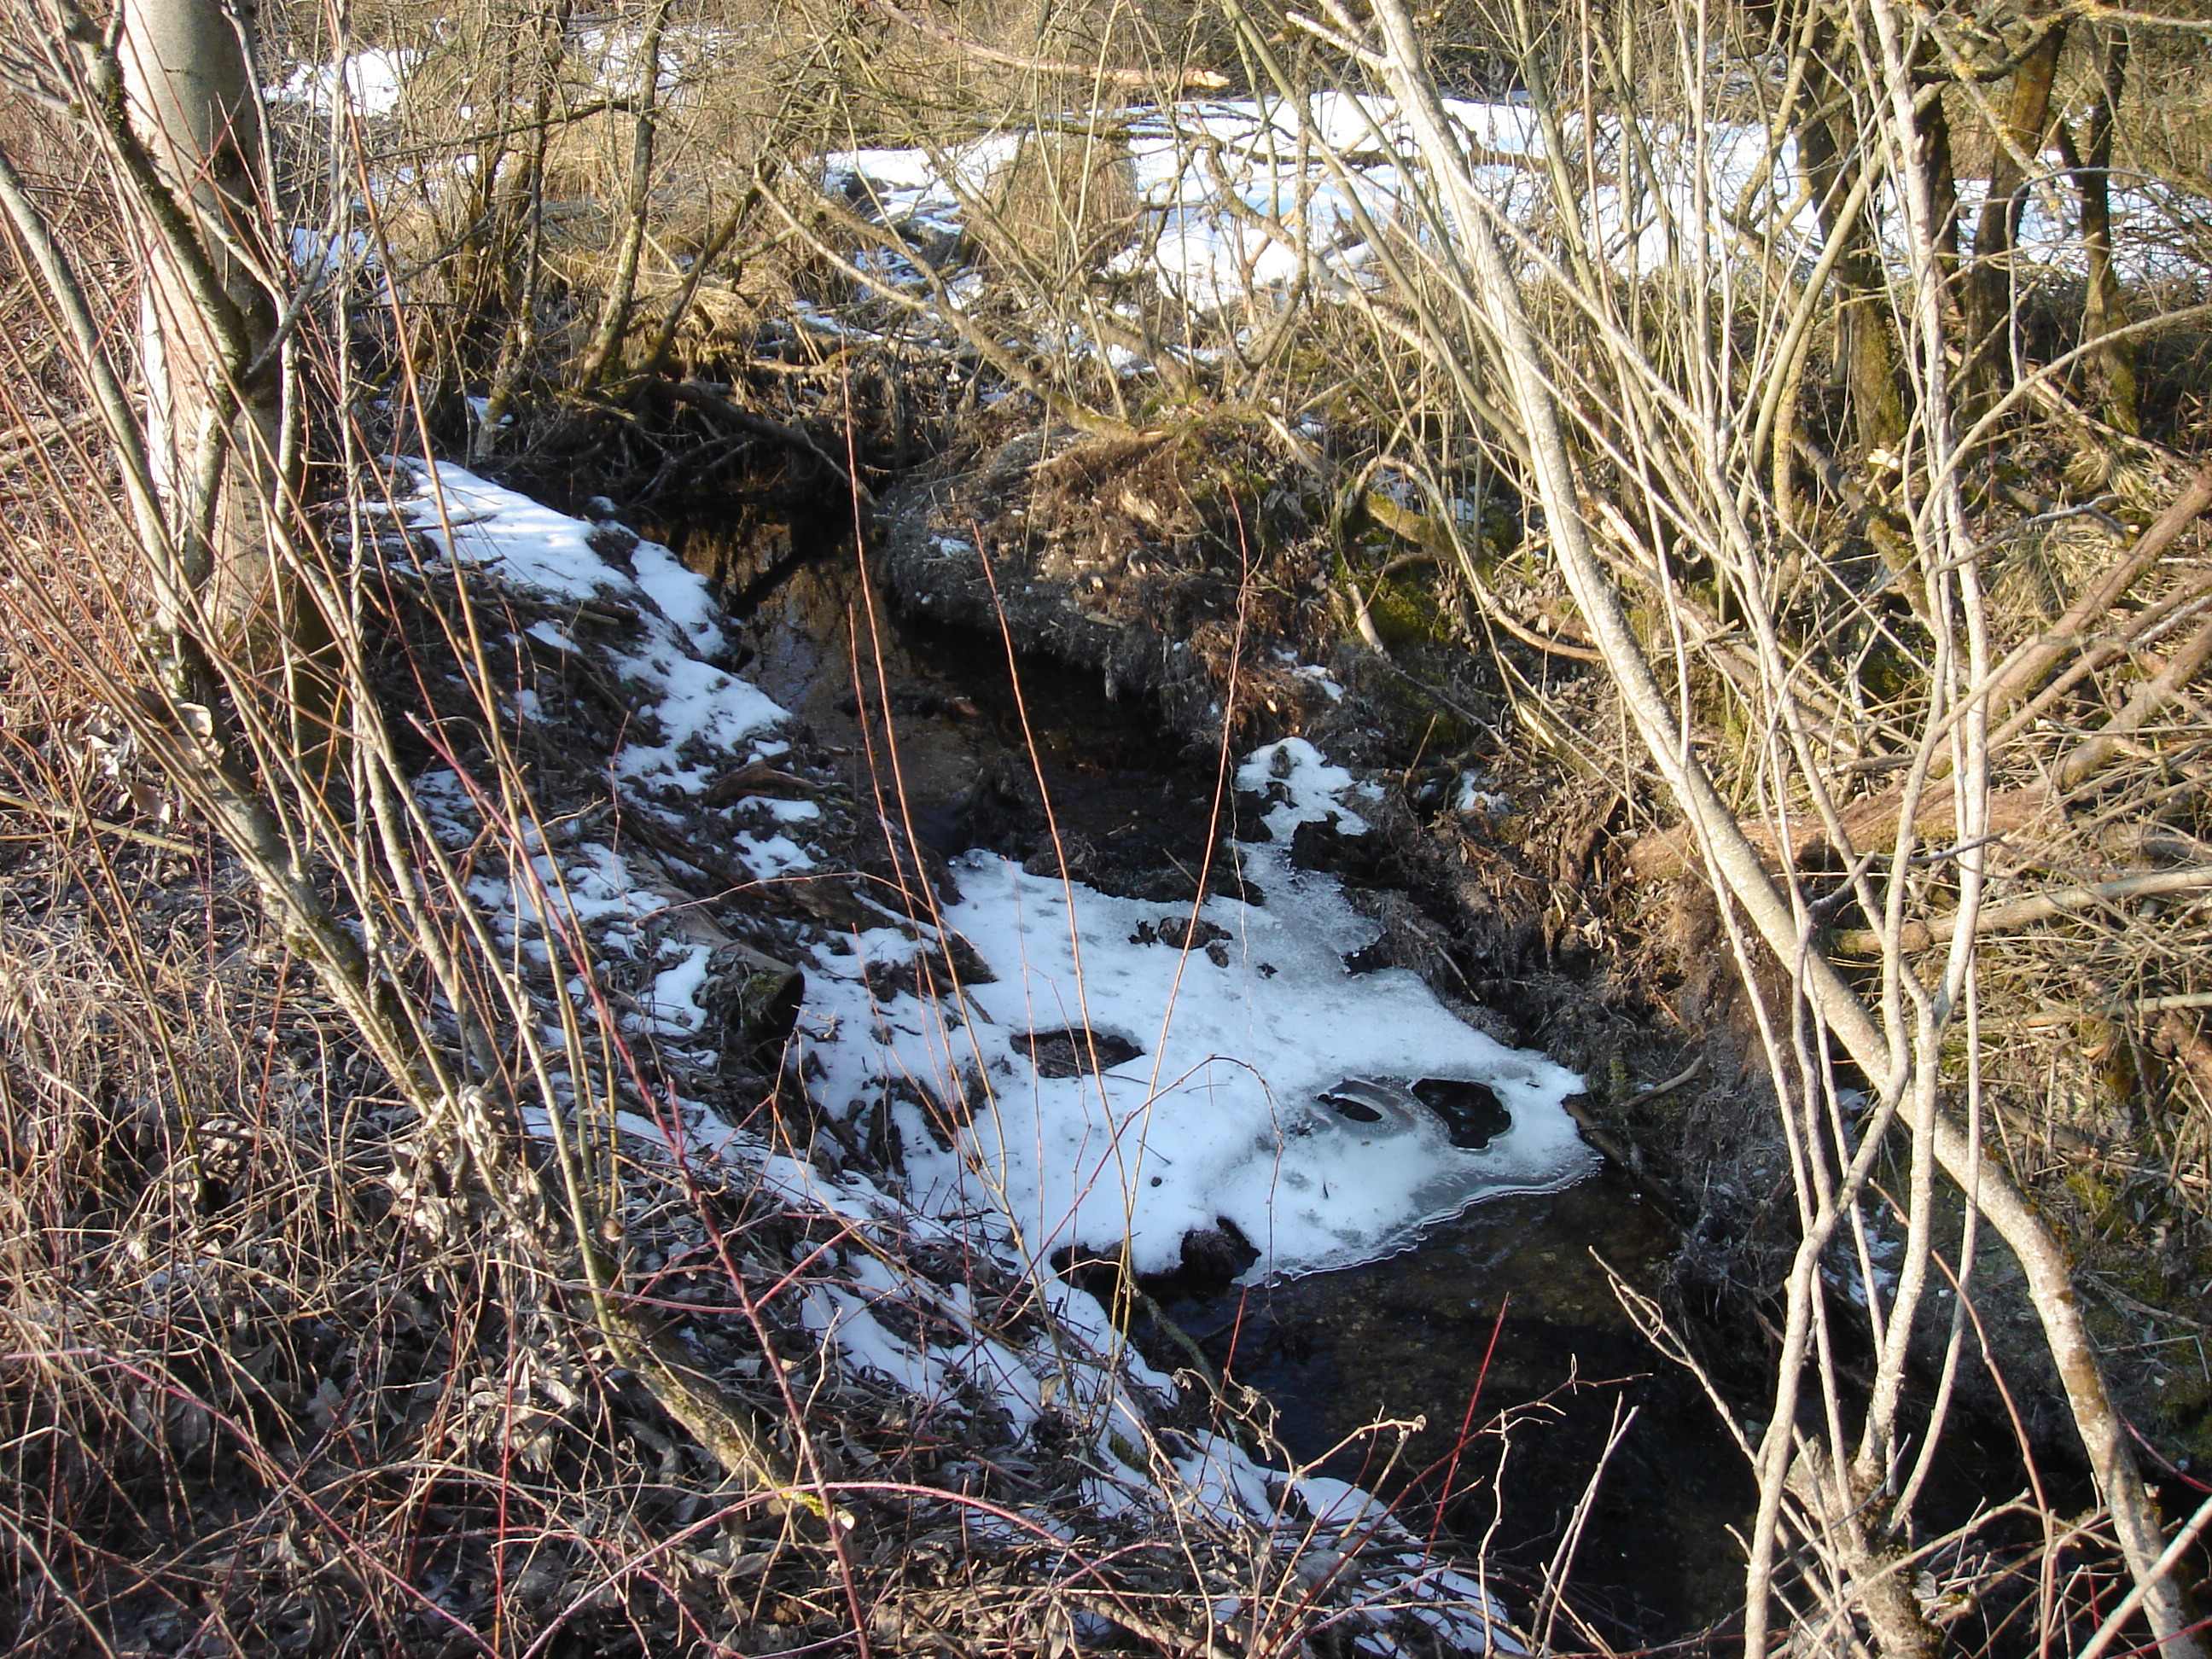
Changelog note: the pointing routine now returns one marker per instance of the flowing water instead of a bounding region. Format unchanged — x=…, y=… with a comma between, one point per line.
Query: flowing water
x=1501, y=1320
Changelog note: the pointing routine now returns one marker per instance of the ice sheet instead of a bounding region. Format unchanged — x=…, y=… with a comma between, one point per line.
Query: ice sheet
x=1221, y=1114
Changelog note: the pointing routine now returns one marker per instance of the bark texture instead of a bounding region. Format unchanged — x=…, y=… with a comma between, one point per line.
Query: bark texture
x=216, y=406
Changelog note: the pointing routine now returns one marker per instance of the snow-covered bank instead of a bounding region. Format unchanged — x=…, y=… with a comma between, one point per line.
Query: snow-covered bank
x=1251, y=1026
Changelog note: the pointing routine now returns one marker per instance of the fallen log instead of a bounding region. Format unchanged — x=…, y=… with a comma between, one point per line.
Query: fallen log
x=1665, y=853
x=2028, y=911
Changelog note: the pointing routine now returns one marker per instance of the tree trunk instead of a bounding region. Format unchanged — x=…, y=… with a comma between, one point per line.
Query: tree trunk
x=1866, y=341
x=519, y=345
x=1989, y=299
x=614, y=318
x=2090, y=159
x=1941, y=171
x=214, y=405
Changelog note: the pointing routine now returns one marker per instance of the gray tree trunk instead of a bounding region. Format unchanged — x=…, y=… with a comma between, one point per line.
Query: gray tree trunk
x=215, y=403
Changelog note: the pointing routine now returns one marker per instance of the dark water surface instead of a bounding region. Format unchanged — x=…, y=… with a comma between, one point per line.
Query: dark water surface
x=1508, y=1297
x=1509, y=1293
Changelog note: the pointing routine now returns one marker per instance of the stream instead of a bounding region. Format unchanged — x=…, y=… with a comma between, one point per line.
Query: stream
x=1507, y=1295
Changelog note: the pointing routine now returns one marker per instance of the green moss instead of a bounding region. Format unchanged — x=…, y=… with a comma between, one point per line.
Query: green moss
x=1419, y=725
x=1886, y=671
x=2097, y=1194
x=1406, y=612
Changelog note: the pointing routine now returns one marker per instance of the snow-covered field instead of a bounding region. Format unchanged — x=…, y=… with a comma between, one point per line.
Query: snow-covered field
x=1242, y=197
x=1245, y=195
x=371, y=82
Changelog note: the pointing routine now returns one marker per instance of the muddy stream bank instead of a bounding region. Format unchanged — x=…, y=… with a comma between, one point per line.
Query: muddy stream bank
x=1501, y=1310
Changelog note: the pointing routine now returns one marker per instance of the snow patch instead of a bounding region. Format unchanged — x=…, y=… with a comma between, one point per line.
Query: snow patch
x=704, y=716
x=674, y=1001
x=1241, y=204
x=370, y=82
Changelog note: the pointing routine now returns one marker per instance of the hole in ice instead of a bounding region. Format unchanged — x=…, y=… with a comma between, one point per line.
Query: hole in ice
x=1340, y=1101
x=1369, y=957
x=1471, y=1112
x=1472, y=1115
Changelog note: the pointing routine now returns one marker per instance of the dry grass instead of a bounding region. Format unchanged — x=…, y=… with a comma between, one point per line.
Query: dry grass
x=1062, y=191
x=253, y=1405
x=509, y=245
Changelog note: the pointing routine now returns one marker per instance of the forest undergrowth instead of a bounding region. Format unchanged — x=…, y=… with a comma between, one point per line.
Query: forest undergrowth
x=1747, y=466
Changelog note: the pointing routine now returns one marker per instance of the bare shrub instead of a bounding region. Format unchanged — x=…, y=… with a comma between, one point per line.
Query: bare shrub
x=1061, y=190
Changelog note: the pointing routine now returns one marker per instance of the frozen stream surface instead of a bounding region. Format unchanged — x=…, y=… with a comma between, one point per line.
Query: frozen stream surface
x=1134, y=1070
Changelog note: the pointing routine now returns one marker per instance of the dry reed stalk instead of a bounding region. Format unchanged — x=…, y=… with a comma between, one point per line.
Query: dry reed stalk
x=436, y=1039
